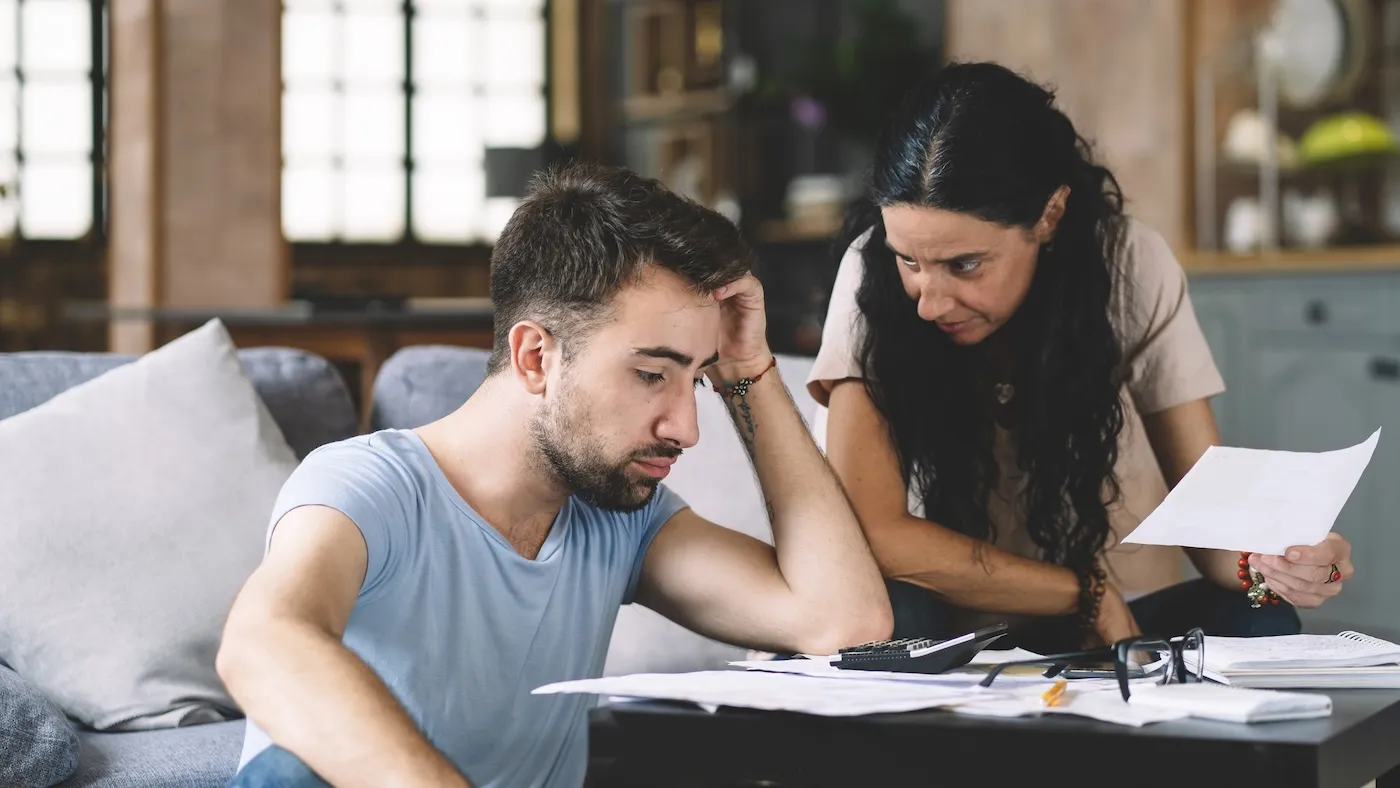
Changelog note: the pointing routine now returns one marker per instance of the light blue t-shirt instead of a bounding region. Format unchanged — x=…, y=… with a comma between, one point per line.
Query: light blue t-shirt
x=460, y=626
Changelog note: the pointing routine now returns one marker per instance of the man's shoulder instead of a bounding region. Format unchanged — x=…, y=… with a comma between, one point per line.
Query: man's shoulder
x=390, y=456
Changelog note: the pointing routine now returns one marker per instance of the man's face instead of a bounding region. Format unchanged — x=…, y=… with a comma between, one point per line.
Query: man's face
x=622, y=409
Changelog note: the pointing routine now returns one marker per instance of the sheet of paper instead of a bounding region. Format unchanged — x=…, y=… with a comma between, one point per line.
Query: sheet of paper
x=1257, y=500
x=968, y=676
x=777, y=692
x=1104, y=703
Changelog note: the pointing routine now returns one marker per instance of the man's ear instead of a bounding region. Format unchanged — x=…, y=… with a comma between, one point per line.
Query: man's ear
x=533, y=350
x=1051, y=216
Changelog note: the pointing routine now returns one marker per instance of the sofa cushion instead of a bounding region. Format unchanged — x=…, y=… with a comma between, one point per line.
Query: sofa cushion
x=305, y=394
x=423, y=383
x=135, y=507
x=202, y=756
x=38, y=746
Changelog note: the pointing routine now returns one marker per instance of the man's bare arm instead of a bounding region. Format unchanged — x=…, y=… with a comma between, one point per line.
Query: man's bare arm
x=283, y=661
x=816, y=590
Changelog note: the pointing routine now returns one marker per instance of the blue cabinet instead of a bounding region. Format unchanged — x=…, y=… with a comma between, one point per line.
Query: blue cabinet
x=1312, y=363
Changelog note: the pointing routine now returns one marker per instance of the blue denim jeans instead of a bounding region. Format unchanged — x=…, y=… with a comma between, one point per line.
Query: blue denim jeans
x=274, y=767
x=1171, y=611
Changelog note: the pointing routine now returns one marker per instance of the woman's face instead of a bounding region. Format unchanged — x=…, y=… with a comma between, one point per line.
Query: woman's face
x=968, y=275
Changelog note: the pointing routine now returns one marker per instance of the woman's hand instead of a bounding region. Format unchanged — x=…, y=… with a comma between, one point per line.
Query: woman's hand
x=1307, y=576
x=1115, y=621
x=743, y=333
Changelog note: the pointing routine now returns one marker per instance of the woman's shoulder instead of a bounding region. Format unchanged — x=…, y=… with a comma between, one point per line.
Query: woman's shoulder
x=1149, y=282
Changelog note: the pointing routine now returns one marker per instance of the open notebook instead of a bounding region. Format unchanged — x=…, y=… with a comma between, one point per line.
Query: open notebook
x=1347, y=659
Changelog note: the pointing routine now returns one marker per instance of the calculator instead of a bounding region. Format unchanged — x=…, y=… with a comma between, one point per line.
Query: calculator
x=918, y=655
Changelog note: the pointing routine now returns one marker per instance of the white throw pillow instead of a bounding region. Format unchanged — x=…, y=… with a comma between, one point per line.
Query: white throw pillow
x=716, y=479
x=132, y=509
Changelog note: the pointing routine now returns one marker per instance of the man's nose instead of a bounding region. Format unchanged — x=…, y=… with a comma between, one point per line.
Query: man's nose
x=680, y=424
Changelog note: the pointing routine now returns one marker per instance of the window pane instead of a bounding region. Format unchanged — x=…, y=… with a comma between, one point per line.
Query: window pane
x=443, y=50
x=9, y=112
x=373, y=47
x=308, y=203
x=9, y=36
x=374, y=205
x=375, y=5
x=57, y=117
x=448, y=204
x=514, y=121
x=374, y=125
x=308, y=47
x=56, y=199
x=446, y=128
x=57, y=36
x=514, y=51
x=309, y=122
x=308, y=5
x=498, y=212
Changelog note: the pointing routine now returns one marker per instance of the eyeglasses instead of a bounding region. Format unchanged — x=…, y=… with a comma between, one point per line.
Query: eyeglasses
x=1184, y=655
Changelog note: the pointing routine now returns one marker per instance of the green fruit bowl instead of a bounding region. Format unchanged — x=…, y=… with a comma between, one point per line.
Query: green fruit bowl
x=1347, y=137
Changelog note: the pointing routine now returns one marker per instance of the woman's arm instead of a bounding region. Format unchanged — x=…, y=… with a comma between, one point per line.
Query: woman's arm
x=920, y=551
x=1179, y=436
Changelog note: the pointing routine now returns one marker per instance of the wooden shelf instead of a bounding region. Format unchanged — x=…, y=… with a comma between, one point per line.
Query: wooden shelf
x=1334, y=259
x=789, y=231
x=666, y=106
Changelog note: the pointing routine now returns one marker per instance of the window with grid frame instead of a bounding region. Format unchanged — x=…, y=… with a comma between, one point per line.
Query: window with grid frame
x=392, y=110
x=53, y=116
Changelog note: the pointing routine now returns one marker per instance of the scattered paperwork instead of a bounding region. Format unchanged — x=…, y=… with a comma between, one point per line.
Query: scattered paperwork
x=1257, y=500
x=975, y=671
x=776, y=692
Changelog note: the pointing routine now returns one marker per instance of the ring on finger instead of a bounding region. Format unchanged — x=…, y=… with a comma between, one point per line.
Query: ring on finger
x=1333, y=575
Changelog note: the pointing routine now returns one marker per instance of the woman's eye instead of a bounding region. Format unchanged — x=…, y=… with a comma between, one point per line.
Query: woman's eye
x=965, y=266
x=909, y=263
x=650, y=378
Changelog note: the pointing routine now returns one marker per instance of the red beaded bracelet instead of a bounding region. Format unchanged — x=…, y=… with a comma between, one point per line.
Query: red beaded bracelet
x=1253, y=584
x=741, y=386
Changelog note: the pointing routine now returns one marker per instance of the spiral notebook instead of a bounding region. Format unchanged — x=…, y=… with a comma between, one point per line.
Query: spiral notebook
x=1347, y=659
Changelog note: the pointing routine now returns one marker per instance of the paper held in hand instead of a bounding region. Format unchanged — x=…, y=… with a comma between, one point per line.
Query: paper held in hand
x=1257, y=500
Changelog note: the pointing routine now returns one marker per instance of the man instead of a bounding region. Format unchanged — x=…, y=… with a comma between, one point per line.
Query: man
x=419, y=584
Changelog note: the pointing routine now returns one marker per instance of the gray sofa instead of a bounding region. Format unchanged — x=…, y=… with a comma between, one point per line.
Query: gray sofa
x=312, y=405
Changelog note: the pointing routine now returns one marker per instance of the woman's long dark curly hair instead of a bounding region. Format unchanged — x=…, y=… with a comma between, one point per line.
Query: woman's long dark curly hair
x=980, y=140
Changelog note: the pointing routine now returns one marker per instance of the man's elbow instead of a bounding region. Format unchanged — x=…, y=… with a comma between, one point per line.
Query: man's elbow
x=874, y=621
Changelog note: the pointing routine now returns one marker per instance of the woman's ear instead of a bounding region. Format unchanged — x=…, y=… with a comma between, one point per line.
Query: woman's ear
x=531, y=354
x=1051, y=216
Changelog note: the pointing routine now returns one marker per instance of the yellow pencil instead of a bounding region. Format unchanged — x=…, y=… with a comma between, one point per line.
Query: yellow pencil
x=1055, y=694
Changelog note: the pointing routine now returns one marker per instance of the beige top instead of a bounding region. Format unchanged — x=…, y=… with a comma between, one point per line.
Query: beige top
x=1169, y=363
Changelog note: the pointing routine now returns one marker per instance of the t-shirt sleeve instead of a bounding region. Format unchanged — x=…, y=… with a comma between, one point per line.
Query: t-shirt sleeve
x=372, y=489
x=662, y=507
x=837, y=357
x=1168, y=359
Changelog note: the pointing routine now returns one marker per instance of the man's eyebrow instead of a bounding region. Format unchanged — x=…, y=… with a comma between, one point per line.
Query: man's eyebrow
x=671, y=354
x=668, y=353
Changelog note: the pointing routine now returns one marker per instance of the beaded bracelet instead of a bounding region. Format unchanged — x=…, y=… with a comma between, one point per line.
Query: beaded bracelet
x=740, y=387
x=1252, y=583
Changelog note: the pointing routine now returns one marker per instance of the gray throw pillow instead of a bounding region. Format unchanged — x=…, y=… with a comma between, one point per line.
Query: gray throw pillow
x=132, y=509
x=38, y=745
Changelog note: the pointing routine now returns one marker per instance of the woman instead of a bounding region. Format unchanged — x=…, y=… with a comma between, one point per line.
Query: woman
x=992, y=308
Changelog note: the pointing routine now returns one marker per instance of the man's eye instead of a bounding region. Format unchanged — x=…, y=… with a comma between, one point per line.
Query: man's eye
x=650, y=378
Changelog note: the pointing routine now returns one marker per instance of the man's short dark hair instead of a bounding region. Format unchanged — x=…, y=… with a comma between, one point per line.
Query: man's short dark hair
x=583, y=233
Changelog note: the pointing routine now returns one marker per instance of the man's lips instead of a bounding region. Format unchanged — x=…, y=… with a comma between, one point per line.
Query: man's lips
x=656, y=467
